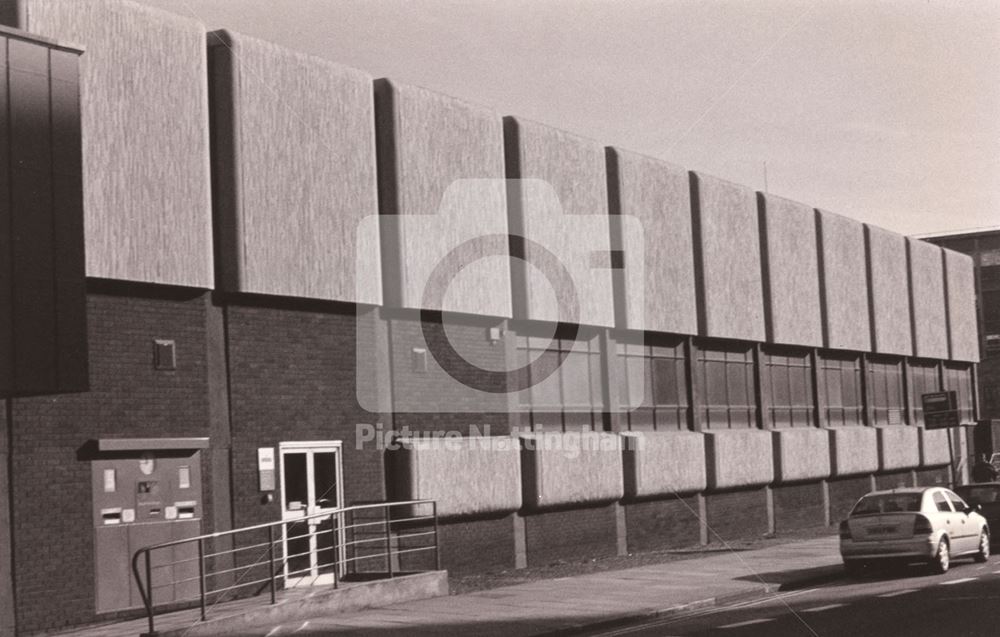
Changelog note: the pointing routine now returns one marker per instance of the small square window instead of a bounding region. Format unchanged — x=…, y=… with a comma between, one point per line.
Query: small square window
x=164, y=355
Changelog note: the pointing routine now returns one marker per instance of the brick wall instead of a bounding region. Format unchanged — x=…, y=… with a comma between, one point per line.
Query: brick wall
x=575, y=534
x=798, y=506
x=292, y=378
x=893, y=480
x=432, y=400
x=470, y=546
x=53, y=537
x=662, y=524
x=844, y=494
x=736, y=514
x=933, y=477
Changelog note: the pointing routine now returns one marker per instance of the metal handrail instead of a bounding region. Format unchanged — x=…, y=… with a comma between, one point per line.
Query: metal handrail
x=403, y=528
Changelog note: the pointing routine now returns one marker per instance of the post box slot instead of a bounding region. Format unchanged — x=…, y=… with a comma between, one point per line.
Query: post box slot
x=111, y=516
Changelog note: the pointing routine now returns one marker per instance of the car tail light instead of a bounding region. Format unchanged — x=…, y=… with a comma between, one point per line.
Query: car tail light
x=922, y=526
x=845, y=531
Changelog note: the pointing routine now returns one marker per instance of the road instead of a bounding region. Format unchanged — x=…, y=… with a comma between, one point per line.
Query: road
x=902, y=601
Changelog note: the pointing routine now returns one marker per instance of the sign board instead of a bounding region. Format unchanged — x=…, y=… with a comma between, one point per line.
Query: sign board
x=265, y=468
x=941, y=410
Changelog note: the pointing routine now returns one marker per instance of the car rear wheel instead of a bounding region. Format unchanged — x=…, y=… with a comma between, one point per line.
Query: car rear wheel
x=942, y=559
x=984, y=547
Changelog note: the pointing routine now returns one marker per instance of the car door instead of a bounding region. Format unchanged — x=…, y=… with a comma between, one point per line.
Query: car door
x=966, y=527
x=945, y=519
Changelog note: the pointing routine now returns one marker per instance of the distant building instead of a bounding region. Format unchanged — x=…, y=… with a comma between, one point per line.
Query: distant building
x=984, y=248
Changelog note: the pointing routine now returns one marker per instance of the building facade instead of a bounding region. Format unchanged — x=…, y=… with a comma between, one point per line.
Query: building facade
x=287, y=256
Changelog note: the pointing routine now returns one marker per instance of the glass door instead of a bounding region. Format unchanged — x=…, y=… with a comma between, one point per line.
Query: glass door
x=311, y=484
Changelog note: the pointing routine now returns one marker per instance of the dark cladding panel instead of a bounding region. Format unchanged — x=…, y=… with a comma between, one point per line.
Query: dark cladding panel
x=68, y=232
x=33, y=296
x=42, y=289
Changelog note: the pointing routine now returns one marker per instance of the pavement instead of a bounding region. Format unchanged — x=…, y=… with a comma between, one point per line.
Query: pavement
x=568, y=605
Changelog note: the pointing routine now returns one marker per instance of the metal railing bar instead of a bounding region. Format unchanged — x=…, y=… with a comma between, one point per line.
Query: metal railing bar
x=326, y=514
x=379, y=531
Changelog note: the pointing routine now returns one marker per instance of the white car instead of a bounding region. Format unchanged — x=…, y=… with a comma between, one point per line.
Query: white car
x=927, y=524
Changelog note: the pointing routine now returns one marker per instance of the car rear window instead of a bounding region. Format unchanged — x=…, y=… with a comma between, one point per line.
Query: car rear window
x=887, y=503
x=981, y=495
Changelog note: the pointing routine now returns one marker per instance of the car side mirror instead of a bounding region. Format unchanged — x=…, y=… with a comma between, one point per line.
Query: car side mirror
x=973, y=508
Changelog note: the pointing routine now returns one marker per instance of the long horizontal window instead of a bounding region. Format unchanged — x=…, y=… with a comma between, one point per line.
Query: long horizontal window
x=725, y=373
x=565, y=379
x=958, y=378
x=840, y=386
x=652, y=388
x=787, y=383
x=886, y=387
x=923, y=380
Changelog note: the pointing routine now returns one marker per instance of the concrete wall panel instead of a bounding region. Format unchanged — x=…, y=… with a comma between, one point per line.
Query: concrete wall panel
x=739, y=458
x=727, y=248
x=659, y=286
x=801, y=453
x=930, y=321
x=295, y=158
x=145, y=138
x=559, y=469
x=934, y=449
x=853, y=450
x=560, y=204
x=963, y=331
x=844, y=282
x=663, y=462
x=466, y=476
x=791, y=272
x=898, y=447
x=889, y=291
x=442, y=172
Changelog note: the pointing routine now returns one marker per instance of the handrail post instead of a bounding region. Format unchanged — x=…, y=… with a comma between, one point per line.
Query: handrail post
x=388, y=540
x=142, y=590
x=270, y=561
x=149, y=593
x=335, y=528
x=437, y=543
x=201, y=574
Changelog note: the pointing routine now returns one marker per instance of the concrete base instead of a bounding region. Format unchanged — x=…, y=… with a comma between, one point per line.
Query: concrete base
x=323, y=602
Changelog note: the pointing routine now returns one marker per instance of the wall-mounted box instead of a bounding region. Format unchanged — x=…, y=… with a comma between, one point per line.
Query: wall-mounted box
x=663, y=463
x=565, y=469
x=739, y=458
x=43, y=322
x=472, y=475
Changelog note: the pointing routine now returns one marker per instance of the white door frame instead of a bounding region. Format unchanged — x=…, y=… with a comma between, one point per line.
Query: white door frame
x=311, y=448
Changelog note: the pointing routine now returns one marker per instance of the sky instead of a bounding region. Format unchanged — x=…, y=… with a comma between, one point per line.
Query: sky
x=885, y=111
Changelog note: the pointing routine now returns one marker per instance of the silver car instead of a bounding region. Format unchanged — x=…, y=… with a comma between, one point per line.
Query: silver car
x=926, y=524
